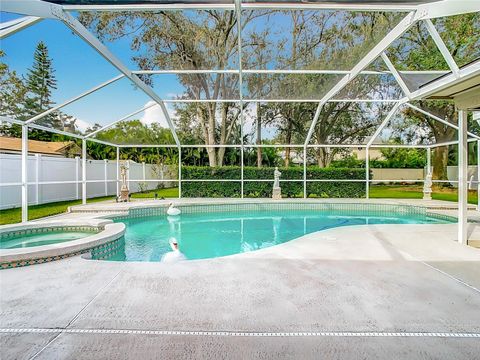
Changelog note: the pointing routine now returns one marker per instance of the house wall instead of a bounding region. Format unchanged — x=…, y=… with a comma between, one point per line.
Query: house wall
x=452, y=175
x=382, y=175
x=101, y=179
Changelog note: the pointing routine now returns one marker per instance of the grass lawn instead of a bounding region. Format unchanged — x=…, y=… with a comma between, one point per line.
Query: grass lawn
x=416, y=192
x=10, y=216
x=166, y=193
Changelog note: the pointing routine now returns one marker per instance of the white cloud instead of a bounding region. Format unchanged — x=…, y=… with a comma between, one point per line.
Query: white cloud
x=155, y=114
x=173, y=96
x=82, y=125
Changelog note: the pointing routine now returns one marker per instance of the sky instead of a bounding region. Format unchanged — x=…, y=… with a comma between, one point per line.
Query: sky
x=78, y=68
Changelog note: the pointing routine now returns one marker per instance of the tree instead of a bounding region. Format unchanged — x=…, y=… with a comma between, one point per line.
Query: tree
x=434, y=130
x=257, y=84
x=208, y=40
x=291, y=120
x=344, y=123
x=12, y=90
x=402, y=158
x=135, y=132
x=185, y=40
x=41, y=79
x=12, y=94
x=417, y=51
x=325, y=40
x=40, y=82
x=23, y=99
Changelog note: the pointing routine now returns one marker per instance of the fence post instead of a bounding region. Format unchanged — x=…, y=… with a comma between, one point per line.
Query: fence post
x=117, y=177
x=24, y=173
x=105, y=175
x=127, y=178
x=38, y=159
x=84, y=171
x=77, y=176
x=179, y=172
x=478, y=175
x=367, y=172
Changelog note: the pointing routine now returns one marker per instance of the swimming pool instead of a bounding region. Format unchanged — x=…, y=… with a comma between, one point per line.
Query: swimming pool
x=43, y=238
x=208, y=234
x=38, y=243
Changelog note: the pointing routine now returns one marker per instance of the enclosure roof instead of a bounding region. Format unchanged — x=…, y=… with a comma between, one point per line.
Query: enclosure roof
x=132, y=2
x=113, y=2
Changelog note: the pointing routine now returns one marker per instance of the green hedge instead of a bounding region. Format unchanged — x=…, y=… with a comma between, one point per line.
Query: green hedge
x=211, y=189
x=264, y=189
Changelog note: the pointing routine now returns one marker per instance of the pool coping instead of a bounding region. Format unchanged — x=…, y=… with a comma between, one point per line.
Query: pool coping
x=17, y=257
x=112, y=209
x=159, y=209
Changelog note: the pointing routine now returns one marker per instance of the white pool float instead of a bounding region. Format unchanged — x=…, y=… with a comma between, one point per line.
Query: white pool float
x=173, y=211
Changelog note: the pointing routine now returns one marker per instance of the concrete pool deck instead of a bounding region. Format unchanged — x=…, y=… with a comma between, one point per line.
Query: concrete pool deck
x=376, y=291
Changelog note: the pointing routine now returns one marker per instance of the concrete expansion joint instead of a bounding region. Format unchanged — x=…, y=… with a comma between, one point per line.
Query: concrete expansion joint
x=451, y=277
x=244, y=333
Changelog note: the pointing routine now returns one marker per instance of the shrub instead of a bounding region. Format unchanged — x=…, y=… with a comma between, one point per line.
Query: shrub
x=207, y=172
x=211, y=189
x=264, y=188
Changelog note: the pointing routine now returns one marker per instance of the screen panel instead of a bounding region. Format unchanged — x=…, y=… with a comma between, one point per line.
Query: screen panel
x=166, y=40
x=461, y=35
x=311, y=39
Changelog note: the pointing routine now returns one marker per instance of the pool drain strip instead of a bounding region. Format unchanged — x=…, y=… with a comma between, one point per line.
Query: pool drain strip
x=245, y=333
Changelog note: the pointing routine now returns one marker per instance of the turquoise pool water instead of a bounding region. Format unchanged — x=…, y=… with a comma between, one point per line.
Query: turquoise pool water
x=208, y=235
x=46, y=238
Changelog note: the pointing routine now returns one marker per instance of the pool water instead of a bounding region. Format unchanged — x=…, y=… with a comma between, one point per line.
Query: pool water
x=209, y=235
x=46, y=238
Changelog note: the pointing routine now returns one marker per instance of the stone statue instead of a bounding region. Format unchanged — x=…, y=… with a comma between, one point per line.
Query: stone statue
x=124, y=188
x=277, y=191
x=427, y=187
x=276, y=176
x=123, y=175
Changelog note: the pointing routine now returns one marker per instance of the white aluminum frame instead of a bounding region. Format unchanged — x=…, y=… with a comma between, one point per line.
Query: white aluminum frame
x=11, y=27
x=462, y=177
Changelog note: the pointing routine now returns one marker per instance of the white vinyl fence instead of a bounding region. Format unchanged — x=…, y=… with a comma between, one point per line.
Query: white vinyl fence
x=452, y=174
x=59, y=179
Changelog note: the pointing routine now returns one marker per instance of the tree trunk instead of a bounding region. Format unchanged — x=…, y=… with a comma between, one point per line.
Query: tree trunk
x=442, y=133
x=259, y=137
x=323, y=158
x=439, y=163
x=318, y=155
x=223, y=135
x=440, y=154
x=212, y=155
x=287, y=157
x=220, y=156
x=288, y=140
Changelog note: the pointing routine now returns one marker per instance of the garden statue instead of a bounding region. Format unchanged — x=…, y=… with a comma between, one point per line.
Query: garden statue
x=277, y=191
x=427, y=187
x=124, y=192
